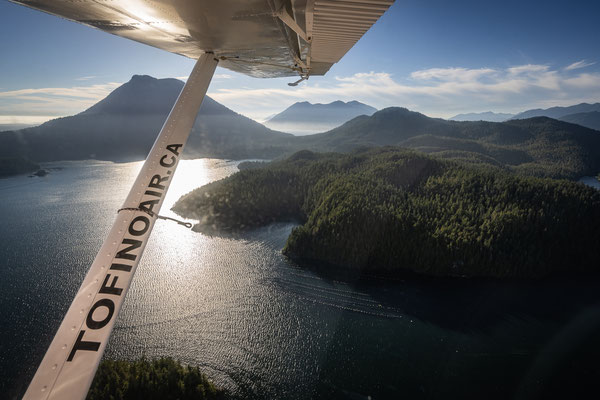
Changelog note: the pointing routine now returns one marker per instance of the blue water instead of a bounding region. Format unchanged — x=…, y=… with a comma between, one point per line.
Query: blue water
x=263, y=327
x=591, y=181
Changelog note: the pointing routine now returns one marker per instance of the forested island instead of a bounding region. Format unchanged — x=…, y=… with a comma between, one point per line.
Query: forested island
x=159, y=379
x=392, y=211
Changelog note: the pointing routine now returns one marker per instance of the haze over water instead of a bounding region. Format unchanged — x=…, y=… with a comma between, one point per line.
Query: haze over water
x=255, y=322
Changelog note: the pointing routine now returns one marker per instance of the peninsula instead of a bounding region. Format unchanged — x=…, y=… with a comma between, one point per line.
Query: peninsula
x=391, y=211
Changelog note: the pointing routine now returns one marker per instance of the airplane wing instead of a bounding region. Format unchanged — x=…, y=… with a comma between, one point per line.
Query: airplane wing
x=260, y=38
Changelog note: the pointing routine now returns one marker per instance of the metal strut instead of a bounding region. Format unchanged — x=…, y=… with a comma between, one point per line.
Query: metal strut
x=67, y=370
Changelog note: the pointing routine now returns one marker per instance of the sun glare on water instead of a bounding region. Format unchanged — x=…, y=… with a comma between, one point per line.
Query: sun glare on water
x=180, y=242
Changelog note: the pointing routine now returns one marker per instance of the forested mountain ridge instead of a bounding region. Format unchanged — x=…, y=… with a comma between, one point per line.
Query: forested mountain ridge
x=537, y=147
x=391, y=210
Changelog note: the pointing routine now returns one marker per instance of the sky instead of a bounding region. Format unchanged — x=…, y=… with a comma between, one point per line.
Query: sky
x=437, y=57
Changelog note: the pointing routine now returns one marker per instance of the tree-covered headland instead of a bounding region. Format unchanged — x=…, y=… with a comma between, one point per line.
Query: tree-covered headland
x=160, y=379
x=392, y=210
x=16, y=165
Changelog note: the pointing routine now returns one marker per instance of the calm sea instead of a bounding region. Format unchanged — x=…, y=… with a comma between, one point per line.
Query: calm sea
x=266, y=328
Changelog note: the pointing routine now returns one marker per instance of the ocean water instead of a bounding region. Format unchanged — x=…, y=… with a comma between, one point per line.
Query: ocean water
x=591, y=181
x=264, y=327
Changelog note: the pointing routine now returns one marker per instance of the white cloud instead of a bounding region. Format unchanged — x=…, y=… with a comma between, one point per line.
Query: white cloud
x=437, y=91
x=452, y=74
x=441, y=92
x=85, y=78
x=579, y=64
x=83, y=92
x=45, y=103
x=527, y=69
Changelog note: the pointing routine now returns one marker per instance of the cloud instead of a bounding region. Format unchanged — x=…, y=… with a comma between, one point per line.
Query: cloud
x=85, y=78
x=83, y=92
x=440, y=92
x=579, y=64
x=437, y=91
x=527, y=69
x=46, y=103
x=452, y=74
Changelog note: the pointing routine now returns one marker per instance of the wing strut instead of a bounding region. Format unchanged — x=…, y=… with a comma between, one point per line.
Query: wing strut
x=67, y=370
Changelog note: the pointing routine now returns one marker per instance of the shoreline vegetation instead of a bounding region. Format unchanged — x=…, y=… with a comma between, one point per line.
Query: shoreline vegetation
x=395, y=211
x=158, y=379
x=10, y=166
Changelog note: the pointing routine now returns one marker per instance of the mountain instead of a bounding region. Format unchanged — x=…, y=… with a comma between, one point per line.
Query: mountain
x=537, y=146
x=304, y=118
x=483, y=116
x=587, y=119
x=559, y=112
x=124, y=125
x=583, y=114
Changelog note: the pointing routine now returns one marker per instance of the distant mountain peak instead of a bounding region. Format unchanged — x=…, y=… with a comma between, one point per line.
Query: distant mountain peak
x=584, y=114
x=142, y=78
x=307, y=118
x=141, y=94
x=558, y=112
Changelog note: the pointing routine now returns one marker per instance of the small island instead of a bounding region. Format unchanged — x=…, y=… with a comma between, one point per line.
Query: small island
x=393, y=211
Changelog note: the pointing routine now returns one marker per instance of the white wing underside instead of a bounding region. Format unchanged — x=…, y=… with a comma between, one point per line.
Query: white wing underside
x=260, y=38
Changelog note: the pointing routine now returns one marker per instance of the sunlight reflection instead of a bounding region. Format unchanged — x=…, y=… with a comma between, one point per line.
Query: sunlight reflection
x=183, y=244
x=190, y=174
x=176, y=243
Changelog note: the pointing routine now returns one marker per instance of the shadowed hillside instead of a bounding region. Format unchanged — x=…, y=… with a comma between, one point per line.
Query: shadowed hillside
x=538, y=146
x=589, y=119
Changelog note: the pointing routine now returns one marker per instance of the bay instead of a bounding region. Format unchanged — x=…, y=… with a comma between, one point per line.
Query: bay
x=264, y=327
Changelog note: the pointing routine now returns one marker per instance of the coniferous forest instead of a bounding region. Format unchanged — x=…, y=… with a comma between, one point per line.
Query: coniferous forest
x=145, y=379
x=391, y=211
